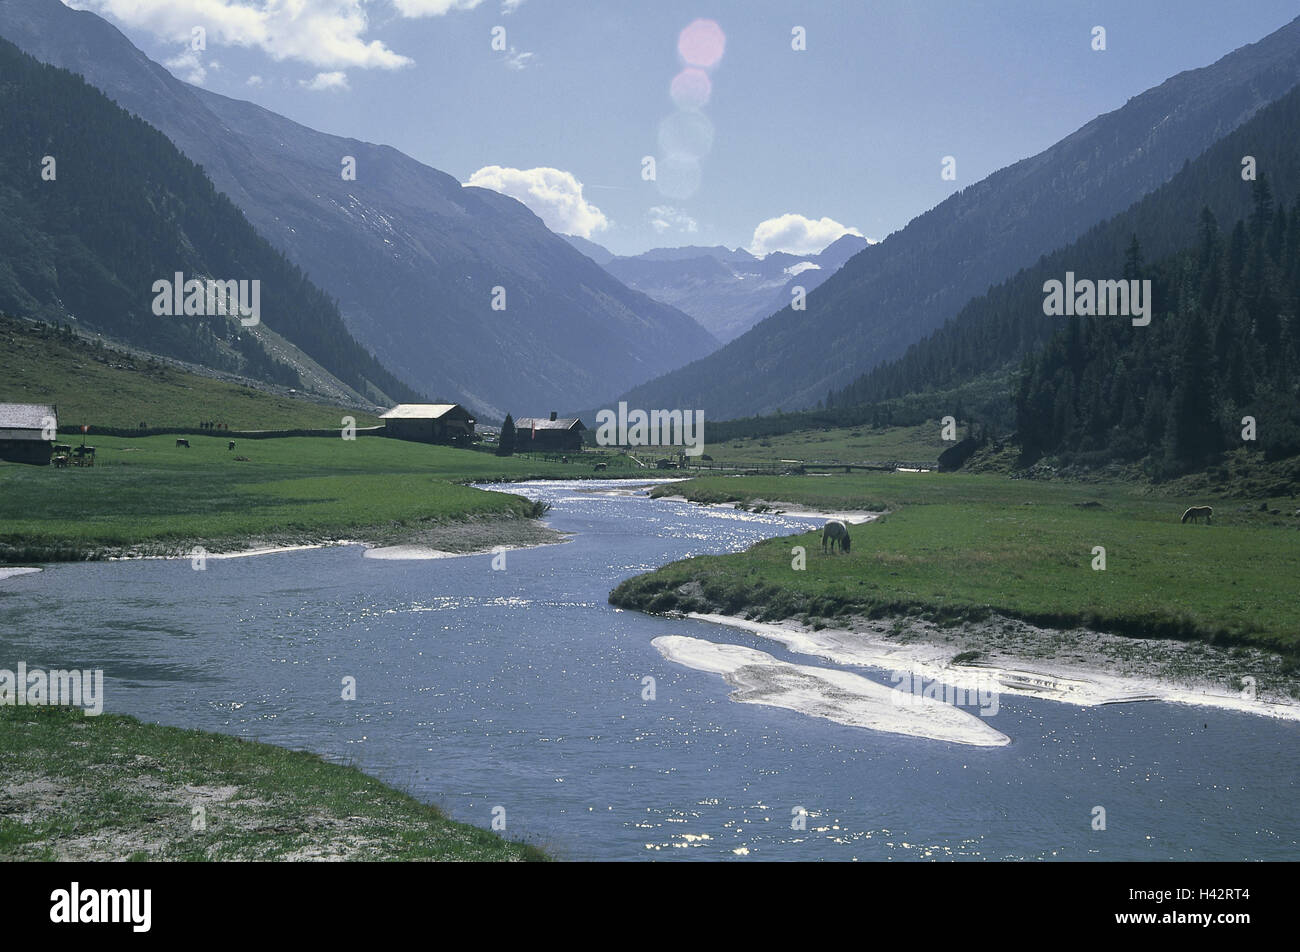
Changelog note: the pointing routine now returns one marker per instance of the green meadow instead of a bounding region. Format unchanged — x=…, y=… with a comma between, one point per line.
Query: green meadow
x=856, y=444
x=113, y=788
x=149, y=496
x=954, y=547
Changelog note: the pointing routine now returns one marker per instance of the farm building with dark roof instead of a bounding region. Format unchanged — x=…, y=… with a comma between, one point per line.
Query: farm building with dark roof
x=27, y=432
x=541, y=435
x=430, y=423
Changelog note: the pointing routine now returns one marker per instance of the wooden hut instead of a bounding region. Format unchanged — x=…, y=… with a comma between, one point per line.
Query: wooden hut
x=27, y=432
x=541, y=435
x=448, y=423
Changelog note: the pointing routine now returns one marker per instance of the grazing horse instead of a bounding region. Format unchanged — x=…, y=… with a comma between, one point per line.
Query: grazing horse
x=833, y=532
x=184, y=443
x=1196, y=512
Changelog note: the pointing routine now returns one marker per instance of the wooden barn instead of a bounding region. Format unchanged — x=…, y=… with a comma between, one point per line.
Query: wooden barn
x=539, y=435
x=25, y=434
x=448, y=423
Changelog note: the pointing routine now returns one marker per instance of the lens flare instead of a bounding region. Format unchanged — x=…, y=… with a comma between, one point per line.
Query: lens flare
x=686, y=134
x=702, y=43
x=691, y=88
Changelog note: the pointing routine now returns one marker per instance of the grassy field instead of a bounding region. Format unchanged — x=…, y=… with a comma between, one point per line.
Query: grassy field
x=956, y=547
x=151, y=497
x=113, y=788
x=844, y=444
x=109, y=388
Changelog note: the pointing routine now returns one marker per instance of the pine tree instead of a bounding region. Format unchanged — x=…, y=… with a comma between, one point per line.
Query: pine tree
x=506, y=447
x=1193, y=432
x=1133, y=260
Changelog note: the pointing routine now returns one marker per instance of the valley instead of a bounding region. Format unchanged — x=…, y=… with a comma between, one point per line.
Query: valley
x=654, y=437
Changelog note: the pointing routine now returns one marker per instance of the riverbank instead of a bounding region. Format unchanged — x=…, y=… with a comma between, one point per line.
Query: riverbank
x=113, y=788
x=148, y=497
x=1078, y=666
x=1104, y=579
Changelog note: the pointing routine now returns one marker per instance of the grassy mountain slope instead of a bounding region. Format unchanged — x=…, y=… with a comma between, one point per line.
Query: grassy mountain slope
x=112, y=387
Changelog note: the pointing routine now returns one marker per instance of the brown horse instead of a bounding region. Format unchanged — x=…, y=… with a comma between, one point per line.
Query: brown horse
x=1196, y=512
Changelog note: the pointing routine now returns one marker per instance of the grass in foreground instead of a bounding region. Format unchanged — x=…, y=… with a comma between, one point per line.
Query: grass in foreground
x=111, y=788
x=149, y=496
x=959, y=547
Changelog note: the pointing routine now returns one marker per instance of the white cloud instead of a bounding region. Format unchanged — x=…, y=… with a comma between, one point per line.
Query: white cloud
x=188, y=66
x=517, y=60
x=432, y=8
x=326, y=82
x=254, y=80
x=554, y=195
x=797, y=235
x=510, y=6
x=666, y=218
x=324, y=33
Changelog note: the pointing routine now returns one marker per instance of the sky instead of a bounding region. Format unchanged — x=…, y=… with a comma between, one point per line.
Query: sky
x=773, y=125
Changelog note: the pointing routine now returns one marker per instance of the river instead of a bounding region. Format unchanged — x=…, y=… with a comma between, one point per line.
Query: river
x=523, y=689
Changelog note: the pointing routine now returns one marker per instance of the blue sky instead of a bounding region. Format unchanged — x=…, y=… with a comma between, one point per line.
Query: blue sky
x=851, y=129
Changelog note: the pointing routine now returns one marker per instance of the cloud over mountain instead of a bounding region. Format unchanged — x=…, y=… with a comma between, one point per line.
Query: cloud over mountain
x=330, y=34
x=797, y=234
x=553, y=195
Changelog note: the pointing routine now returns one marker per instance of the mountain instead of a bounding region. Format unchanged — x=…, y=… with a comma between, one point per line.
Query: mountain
x=1224, y=336
x=96, y=206
x=412, y=257
x=597, y=253
x=882, y=301
x=728, y=291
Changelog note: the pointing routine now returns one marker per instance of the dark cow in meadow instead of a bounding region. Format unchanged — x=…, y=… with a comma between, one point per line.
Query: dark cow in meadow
x=1199, y=512
x=835, y=532
x=230, y=445
x=184, y=443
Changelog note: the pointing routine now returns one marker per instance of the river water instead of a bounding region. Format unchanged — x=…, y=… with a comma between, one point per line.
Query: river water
x=523, y=689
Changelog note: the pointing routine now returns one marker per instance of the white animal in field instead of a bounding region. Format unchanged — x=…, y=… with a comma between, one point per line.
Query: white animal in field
x=835, y=532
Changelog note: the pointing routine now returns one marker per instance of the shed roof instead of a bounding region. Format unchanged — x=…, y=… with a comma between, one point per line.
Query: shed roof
x=420, y=411
x=545, y=423
x=25, y=416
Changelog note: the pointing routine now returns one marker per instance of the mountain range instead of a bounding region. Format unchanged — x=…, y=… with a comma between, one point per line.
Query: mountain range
x=882, y=301
x=413, y=258
x=726, y=290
